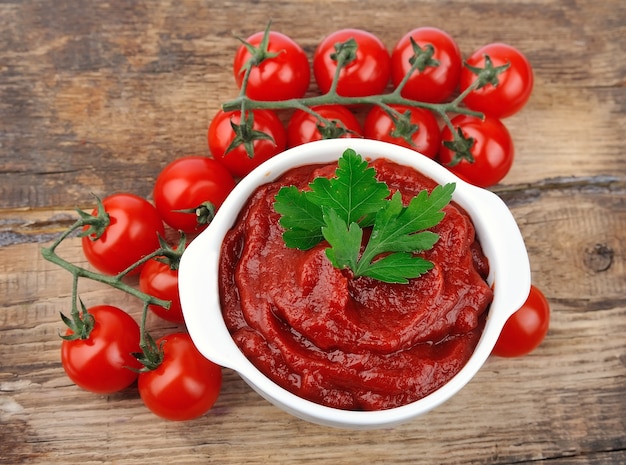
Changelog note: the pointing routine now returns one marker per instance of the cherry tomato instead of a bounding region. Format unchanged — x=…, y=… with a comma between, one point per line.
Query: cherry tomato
x=303, y=127
x=188, y=183
x=285, y=76
x=426, y=137
x=433, y=84
x=132, y=234
x=237, y=160
x=161, y=281
x=103, y=363
x=526, y=328
x=515, y=83
x=367, y=74
x=492, y=150
x=185, y=385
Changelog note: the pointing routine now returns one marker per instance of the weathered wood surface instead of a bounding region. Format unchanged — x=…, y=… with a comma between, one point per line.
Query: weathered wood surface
x=98, y=96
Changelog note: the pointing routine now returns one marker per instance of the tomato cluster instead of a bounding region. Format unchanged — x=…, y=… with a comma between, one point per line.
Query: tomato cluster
x=424, y=70
x=125, y=235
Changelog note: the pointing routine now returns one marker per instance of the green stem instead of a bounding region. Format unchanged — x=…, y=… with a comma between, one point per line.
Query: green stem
x=75, y=311
x=407, y=76
x=113, y=281
x=244, y=82
x=456, y=104
x=143, y=343
x=333, y=86
x=150, y=356
x=334, y=99
x=457, y=101
x=50, y=254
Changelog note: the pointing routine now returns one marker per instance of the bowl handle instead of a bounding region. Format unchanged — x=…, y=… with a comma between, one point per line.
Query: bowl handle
x=199, y=299
x=503, y=238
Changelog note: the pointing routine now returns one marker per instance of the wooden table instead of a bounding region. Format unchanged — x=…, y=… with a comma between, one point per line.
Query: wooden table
x=98, y=96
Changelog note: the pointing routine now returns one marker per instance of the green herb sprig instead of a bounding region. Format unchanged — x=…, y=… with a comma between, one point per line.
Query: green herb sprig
x=340, y=208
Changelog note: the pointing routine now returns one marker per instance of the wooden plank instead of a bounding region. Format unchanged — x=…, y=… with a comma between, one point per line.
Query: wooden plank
x=128, y=88
x=98, y=96
x=565, y=401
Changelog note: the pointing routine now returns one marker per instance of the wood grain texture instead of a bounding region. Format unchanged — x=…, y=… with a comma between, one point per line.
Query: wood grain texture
x=98, y=96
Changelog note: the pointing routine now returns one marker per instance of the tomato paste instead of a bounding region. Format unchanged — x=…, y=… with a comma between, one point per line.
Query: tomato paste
x=345, y=342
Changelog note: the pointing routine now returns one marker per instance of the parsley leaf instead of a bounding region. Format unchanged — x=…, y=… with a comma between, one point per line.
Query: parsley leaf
x=355, y=194
x=344, y=241
x=397, y=268
x=399, y=229
x=338, y=209
x=301, y=218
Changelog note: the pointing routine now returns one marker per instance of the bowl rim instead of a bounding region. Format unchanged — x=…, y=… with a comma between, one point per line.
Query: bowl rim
x=496, y=229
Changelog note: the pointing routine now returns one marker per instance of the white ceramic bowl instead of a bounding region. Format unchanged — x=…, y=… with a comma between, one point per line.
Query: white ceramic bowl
x=497, y=231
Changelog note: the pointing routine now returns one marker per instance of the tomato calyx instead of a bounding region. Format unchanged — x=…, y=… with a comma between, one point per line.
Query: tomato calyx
x=422, y=57
x=403, y=127
x=205, y=212
x=258, y=54
x=151, y=355
x=245, y=134
x=332, y=130
x=81, y=323
x=170, y=256
x=489, y=74
x=345, y=52
x=95, y=225
x=462, y=147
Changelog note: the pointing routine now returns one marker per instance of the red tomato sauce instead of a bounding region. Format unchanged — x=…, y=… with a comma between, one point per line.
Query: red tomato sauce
x=356, y=344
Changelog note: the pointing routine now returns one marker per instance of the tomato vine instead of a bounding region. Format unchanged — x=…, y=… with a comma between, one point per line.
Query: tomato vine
x=344, y=55
x=78, y=312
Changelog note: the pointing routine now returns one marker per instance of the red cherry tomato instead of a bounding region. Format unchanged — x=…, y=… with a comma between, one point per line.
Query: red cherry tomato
x=285, y=76
x=237, y=161
x=186, y=184
x=426, y=137
x=303, y=127
x=185, y=385
x=132, y=234
x=367, y=74
x=433, y=84
x=492, y=150
x=161, y=281
x=526, y=328
x=103, y=363
x=514, y=87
